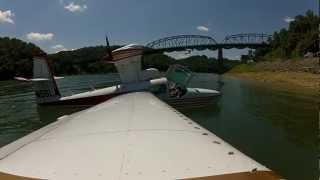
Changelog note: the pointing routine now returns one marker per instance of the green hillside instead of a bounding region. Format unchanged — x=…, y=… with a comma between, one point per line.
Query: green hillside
x=16, y=58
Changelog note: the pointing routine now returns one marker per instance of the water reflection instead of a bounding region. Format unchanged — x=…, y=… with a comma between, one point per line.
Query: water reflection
x=276, y=128
x=295, y=115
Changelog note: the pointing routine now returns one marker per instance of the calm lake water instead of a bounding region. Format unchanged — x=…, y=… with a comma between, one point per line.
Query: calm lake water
x=276, y=128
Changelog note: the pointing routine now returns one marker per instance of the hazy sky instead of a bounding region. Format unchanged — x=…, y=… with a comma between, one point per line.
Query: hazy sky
x=69, y=24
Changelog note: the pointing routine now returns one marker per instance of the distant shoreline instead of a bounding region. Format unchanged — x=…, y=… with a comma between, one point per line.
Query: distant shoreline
x=301, y=76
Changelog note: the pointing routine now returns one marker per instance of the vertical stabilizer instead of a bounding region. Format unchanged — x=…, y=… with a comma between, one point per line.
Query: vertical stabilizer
x=129, y=69
x=128, y=63
x=46, y=89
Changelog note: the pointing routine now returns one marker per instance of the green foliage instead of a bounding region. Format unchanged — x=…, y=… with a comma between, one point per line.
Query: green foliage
x=295, y=55
x=276, y=53
x=89, y=60
x=159, y=61
x=194, y=63
x=241, y=68
x=301, y=37
x=86, y=60
x=16, y=58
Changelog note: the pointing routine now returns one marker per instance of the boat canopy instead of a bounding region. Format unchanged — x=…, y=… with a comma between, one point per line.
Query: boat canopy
x=179, y=75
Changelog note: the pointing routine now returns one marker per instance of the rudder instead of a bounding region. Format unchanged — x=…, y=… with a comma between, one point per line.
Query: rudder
x=46, y=89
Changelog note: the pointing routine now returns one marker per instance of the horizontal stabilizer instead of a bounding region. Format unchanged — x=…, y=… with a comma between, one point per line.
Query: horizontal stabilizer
x=36, y=79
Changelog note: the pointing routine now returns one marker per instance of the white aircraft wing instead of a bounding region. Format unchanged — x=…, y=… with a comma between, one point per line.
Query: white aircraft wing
x=134, y=136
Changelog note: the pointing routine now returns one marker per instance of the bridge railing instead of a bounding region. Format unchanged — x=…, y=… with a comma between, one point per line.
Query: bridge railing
x=200, y=42
x=248, y=38
x=182, y=41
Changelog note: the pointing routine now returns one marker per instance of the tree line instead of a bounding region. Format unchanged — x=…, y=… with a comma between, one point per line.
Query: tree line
x=89, y=60
x=300, y=38
x=16, y=60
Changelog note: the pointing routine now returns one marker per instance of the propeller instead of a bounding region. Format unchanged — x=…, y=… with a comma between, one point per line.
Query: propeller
x=109, y=49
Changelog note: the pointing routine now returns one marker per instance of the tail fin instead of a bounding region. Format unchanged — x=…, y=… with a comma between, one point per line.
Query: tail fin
x=46, y=89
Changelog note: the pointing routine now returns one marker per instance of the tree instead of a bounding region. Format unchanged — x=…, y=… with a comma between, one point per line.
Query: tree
x=301, y=37
x=16, y=58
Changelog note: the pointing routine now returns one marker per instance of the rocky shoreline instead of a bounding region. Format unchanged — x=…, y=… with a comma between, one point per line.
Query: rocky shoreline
x=309, y=65
x=300, y=76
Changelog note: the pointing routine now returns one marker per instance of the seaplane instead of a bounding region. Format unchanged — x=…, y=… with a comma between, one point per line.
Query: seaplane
x=173, y=88
x=135, y=135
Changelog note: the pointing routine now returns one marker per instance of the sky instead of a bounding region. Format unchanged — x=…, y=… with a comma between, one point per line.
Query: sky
x=57, y=25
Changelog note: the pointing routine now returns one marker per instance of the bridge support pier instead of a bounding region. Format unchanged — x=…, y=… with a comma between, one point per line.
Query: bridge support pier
x=220, y=57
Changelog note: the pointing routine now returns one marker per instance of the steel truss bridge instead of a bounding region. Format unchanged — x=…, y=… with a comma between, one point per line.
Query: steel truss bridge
x=199, y=42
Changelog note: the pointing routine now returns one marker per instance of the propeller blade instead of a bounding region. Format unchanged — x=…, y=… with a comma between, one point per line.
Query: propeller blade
x=109, y=48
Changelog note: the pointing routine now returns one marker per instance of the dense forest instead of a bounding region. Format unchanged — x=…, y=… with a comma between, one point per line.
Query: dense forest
x=16, y=58
x=194, y=63
x=89, y=60
x=301, y=37
x=86, y=60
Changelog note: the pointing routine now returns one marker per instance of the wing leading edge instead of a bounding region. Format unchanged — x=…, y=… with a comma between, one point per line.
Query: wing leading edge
x=133, y=136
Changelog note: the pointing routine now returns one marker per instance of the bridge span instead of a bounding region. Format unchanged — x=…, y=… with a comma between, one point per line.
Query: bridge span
x=200, y=42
